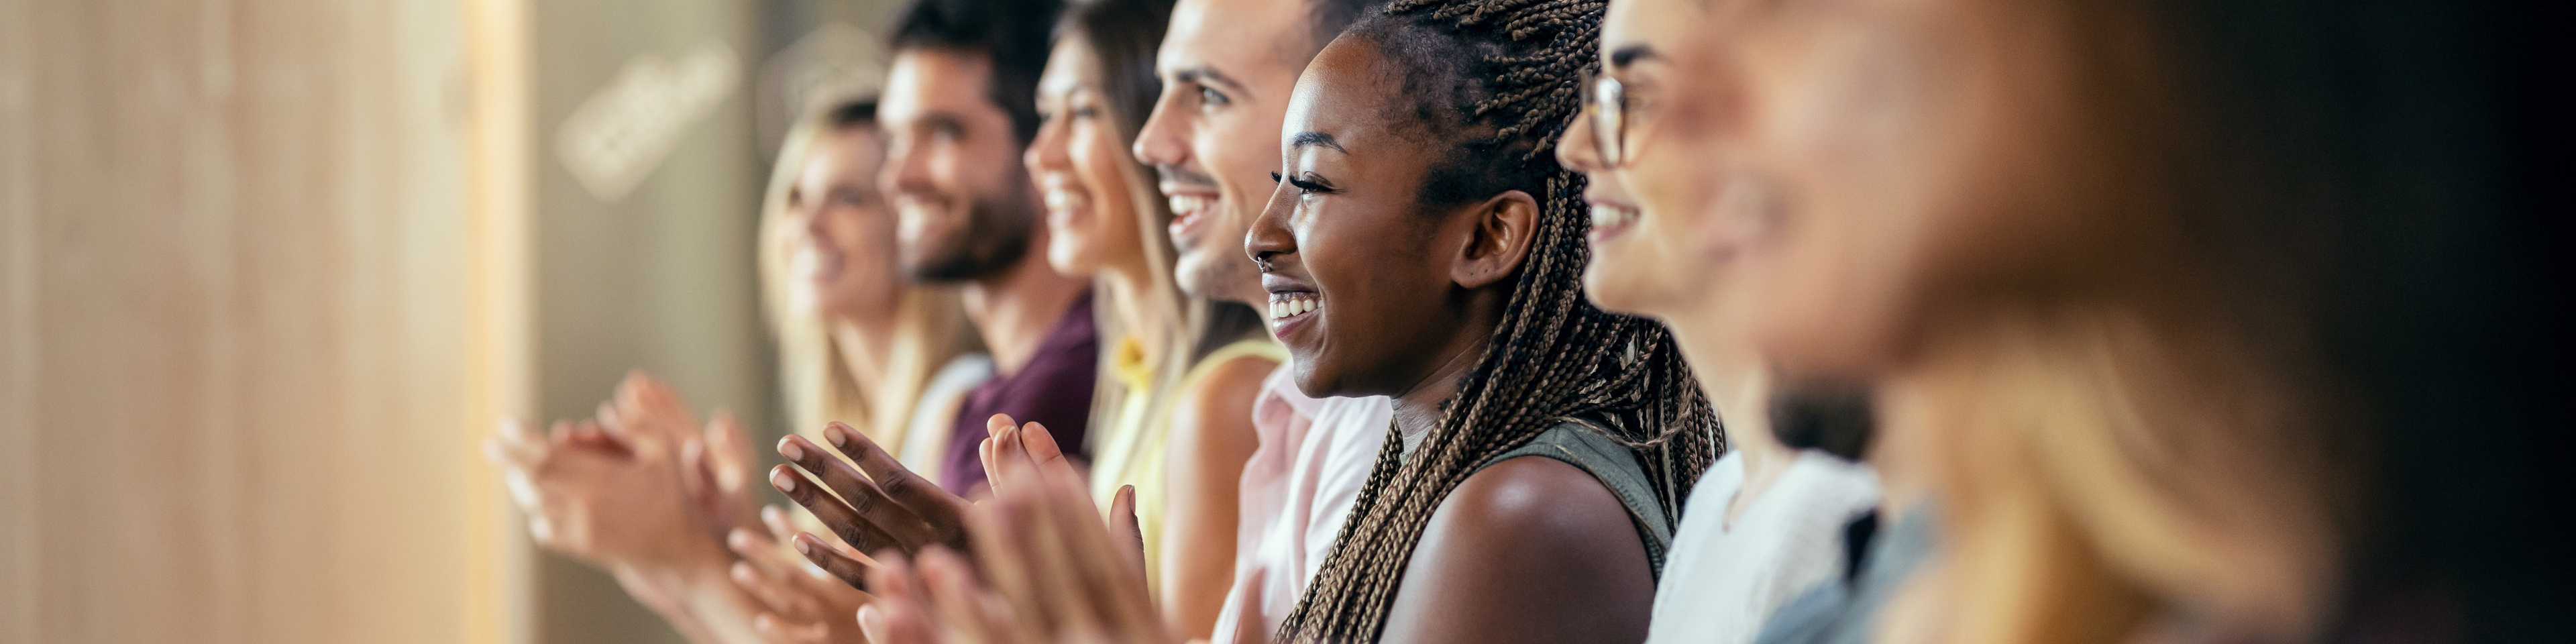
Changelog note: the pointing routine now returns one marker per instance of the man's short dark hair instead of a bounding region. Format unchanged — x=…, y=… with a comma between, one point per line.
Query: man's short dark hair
x=1014, y=34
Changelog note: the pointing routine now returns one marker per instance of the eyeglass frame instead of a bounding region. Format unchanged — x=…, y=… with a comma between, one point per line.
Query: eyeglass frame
x=1605, y=108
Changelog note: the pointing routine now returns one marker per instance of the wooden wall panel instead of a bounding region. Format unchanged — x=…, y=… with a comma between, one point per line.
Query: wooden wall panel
x=244, y=352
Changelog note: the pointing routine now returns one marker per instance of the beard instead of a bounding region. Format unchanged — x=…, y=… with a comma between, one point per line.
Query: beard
x=995, y=237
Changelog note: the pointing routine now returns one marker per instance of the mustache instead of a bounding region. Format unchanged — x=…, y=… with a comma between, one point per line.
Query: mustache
x=1182, y=175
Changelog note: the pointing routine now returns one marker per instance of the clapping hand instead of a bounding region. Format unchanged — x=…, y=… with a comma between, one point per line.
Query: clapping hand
x=1053, y=571
x=880, y=505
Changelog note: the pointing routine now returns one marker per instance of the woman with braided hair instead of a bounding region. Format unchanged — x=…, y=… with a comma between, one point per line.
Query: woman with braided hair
x=1426, y=246
x=1423, y=245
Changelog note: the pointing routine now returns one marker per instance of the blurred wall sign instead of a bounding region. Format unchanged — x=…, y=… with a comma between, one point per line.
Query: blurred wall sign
x=622, y=132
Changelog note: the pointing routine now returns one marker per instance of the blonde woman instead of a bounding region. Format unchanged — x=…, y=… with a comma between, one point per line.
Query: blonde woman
x=665, y=507
x=859, y=343
x=2075, y=247
x=1173, y=416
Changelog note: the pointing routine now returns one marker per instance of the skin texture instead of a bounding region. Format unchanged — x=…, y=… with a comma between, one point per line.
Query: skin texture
x=1410, y=297
x=1227, y=68
x=1684, y=180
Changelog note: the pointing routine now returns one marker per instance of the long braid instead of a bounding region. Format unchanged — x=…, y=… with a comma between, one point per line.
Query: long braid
x=1553, y=356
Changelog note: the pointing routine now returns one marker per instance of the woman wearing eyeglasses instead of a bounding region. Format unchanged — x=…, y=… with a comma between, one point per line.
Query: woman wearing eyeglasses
x=1765, y=522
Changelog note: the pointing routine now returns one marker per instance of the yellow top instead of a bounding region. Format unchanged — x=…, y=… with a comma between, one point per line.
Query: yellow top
x=1133, y=445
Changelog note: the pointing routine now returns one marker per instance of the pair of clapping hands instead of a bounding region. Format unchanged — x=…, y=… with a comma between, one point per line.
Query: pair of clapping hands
x=1036, y=563
x=666, y=507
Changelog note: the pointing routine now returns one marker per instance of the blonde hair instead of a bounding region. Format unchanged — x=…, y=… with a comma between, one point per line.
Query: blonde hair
x=2133, y=434
x=930, y=327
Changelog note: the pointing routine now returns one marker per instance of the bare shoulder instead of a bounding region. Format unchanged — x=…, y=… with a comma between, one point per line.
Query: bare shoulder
x=1238, y=375
x=1531, y=549
x=1531, y=502
x=1228, y=390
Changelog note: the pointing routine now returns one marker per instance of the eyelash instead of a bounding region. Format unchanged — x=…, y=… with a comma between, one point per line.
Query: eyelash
x=1306, y=187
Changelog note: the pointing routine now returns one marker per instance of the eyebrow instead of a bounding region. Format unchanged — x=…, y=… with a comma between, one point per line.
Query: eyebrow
x=1621, y=57
x=1211, y=76
x=1306, y=139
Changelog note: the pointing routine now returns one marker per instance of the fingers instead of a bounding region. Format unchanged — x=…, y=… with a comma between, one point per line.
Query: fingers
x=729, y=451
x=1126, y=529
x=968, y=610
x=841, y=565
x=942, y=513
x=899, y=616
x=834, y=514
x=772, y=591
x=864, y=498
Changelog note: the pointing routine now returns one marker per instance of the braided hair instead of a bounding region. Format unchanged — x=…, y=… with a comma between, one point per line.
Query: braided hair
x=1512, y=68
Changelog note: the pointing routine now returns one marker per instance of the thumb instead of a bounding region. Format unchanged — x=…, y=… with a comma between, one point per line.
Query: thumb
x=1124, y=528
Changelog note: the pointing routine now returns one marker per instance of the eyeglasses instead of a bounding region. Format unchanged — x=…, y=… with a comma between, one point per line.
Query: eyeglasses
x=1605, y=103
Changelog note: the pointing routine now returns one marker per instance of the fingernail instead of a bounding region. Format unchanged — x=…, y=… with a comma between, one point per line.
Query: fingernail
x=785, y=482
x=871, y=621
x=742, y=573
x=739, y=539
x=840, y=437
x=805, y=546
x=791, y=451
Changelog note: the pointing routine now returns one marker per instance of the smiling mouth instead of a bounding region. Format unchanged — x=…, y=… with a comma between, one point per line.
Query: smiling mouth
x=1294, y=305
x=1187, y=209
x=1611, y=217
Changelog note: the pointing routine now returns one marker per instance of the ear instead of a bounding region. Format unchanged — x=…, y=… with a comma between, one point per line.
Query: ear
x=1499, y=241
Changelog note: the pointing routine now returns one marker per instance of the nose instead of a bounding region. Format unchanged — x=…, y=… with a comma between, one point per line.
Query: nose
x=1270, y=234
x=907, y=167
x=1163, y=141
x=1576, y=150
x=1049, y=151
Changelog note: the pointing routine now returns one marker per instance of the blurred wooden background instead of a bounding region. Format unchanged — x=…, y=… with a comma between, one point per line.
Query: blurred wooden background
x=237, y=318
x=269, y=268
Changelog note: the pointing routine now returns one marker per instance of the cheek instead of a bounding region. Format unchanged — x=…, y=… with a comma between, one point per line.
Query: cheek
x=1101, y=162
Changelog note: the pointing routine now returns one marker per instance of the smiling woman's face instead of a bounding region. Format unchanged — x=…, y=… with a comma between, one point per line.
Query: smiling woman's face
x=1081, y=168
x=1359, y=274
x=840, y=237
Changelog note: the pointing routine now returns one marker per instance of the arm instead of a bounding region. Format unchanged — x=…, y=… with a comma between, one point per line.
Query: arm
x=1212, y=437
x=1529, y=550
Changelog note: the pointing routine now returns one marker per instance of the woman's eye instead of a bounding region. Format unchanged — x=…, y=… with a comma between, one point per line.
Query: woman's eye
x=1209, y=96
x=1086, y=112
x=1309, y=187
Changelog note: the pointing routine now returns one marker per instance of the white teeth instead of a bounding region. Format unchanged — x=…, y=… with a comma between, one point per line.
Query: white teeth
x=1061, y=200
x=1606, y=216
x=1294, y=307
x=1182, y=204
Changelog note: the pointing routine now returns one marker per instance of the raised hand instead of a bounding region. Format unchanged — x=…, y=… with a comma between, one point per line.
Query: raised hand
x=1055, y=573
x=885, y=508
x=801, y=606
x=597, y=495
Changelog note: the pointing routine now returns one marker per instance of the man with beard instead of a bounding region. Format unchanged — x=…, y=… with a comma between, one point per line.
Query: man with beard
x=1228, y=67
x=959, y=106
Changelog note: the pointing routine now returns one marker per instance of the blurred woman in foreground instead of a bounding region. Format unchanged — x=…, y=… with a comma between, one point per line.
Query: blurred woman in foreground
x=1180, y=372
x=2090, y=255
x=640, y=491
